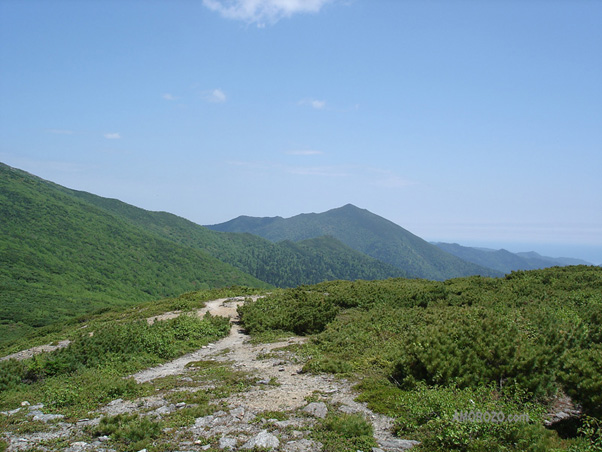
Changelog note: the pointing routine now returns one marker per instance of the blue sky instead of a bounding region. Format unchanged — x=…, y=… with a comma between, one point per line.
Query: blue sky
x=477, y=122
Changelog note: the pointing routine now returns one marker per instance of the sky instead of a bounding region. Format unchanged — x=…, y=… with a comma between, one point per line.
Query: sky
x=475, y=122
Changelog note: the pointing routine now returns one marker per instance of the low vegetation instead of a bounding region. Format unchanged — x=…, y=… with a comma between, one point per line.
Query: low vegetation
x=426, y=352
x=90, y=371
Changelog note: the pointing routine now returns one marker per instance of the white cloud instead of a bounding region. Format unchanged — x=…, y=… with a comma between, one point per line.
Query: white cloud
x=308, y=152
x=112, y=136
x=317, y=104
x=168, y=96
x=215, y=96
x=263, y=11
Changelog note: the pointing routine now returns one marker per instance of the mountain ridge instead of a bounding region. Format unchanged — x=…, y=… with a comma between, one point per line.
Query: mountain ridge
x=363, y=231
x=506, y=261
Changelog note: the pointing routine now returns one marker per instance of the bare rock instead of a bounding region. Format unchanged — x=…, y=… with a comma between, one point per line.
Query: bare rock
x=263, y=439
x=316, y=409
x=227, y=442
x=395, y=445
x=302, y=445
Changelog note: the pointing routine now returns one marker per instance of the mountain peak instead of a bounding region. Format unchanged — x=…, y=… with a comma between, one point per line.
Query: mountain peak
x=367, y=233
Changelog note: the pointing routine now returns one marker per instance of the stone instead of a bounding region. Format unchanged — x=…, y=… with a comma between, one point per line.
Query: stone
x=238, y=412
x=180, y=404
x=103, y=438
x=226, y=442
x=398, y=444
x=348, y=409
x=47, y=417
x=262, y=440
x=167, y=409
x=25, y=403
x=204, y=421
x=316, y=409
x=302, y=445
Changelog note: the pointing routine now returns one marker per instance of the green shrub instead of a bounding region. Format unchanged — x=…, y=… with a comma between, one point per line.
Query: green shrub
x=130, y=431
x=345, y=432
x=295, y=310
x=348, y=425
x=581, y=377
x=12, y=373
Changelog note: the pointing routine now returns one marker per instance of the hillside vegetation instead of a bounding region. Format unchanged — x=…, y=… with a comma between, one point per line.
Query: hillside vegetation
x=66, y=252
x=364, y=232
x=425, y=352
x=61, y=257
x=281, y=264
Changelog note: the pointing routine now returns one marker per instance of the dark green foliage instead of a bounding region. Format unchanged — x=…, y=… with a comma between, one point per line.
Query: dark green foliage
x=364, y=232
x=284, y=264
x=591, y=431
x=345, y=432
x=296, y=310
x=130, y=431
x=581, y=376
x=426, y=349
x=348, y=425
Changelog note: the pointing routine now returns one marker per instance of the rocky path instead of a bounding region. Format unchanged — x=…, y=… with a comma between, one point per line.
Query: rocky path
x=25, y=354
x=289, y=388
x=277, y=386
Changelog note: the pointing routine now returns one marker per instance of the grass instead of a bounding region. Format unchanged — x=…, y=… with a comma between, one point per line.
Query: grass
x=345, y=432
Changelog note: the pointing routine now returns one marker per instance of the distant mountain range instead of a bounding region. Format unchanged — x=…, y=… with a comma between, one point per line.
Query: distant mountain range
x=505, y=261
x=364, y=232
x=65, y=252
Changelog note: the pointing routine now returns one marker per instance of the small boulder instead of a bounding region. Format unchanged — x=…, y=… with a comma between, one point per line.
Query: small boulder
x=302, y=445
x=316, y=409
x=263, y=439
x=226, y=442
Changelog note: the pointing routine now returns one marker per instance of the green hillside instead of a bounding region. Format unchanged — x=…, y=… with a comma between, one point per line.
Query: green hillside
x=61, y=256
x=367, y=233
x=505, y=261
x=280, y=264
x=65, y=252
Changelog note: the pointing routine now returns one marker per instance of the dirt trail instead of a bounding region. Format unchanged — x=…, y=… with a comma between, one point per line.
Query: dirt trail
x=277, y=385
x=25, y=354
x=284, y=386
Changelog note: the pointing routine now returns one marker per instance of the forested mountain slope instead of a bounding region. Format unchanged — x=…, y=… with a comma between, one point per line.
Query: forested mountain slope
x=61, y=256
x=281, y=264
x=364, y=232
x=65, y=252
